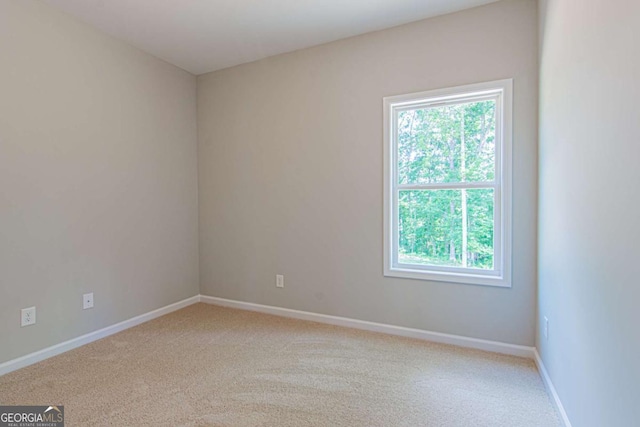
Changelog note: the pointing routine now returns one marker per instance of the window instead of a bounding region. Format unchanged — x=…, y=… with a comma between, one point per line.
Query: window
x=448, y=184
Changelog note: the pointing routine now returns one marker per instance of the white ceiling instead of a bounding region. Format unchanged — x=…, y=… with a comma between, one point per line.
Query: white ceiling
x=206, y=35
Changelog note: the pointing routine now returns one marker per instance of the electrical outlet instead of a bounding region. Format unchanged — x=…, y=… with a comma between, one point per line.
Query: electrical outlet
x=279, y=281
x=87, y=301
x=28, y=316
x=546, y=328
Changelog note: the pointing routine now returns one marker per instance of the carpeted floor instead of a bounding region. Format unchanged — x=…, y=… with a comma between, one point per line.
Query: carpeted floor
x=211, y=366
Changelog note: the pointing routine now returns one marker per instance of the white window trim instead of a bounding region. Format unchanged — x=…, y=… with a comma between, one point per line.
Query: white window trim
x=501, y=275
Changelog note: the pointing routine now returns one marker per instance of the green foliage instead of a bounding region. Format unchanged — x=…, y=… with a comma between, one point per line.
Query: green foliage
x=447, y=144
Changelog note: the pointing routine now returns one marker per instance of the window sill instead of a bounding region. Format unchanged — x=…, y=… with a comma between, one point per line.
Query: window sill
x=441, y=276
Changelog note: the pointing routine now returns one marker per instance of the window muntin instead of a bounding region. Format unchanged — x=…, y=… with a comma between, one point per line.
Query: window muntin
x=447, y=161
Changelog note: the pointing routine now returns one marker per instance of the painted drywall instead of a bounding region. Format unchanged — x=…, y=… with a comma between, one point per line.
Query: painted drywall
x=98, y=181
x=588, y=233
x=290, y=173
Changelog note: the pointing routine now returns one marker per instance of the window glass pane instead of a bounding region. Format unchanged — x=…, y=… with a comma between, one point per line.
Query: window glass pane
x=452, y=228
x=450, y=143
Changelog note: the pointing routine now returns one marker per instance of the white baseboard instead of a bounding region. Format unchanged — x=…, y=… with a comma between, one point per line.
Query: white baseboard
x=493, y=346
x=54, y=350
x=546, y=379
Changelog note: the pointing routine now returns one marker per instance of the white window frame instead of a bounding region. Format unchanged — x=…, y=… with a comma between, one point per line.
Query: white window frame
x=502, y=92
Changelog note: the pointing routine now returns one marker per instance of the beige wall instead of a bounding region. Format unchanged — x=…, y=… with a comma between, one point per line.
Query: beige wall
x=98, y=181
x=589, y=233
x=290, y=173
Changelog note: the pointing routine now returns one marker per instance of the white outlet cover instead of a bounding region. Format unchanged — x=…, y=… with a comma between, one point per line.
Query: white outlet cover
x=279, y=281
x=546, y=327
x=28, y=316
x=87, y=301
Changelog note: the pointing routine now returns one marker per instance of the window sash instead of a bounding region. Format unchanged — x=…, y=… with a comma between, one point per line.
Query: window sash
x=449, y=185
x=494, y=95
x=497, y=235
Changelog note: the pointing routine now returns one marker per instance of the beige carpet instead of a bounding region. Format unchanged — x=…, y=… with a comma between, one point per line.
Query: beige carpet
x=213, y=366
